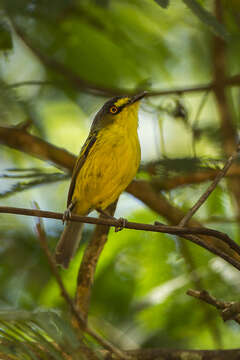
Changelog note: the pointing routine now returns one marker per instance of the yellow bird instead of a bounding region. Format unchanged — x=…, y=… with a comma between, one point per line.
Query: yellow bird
x=107, y=163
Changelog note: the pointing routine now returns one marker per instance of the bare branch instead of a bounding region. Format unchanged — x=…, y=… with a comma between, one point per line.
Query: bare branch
x=230, y=81
x=176, y=230
x=230, y=310
x=30, y=83
x=78, y=316
x=197, y=177
x=157, y=202
x=210, y=189
x=88, y=265
x=227, y=122
x=173, y=354
x=21, y=140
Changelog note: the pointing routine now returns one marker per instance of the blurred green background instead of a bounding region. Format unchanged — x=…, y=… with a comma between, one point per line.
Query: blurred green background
x=116, y=46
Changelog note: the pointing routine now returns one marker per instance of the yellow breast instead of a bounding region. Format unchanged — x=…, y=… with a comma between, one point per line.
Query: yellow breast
x=111, y=164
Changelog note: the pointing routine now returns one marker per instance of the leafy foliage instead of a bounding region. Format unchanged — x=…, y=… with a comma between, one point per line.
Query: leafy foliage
x=37, y=335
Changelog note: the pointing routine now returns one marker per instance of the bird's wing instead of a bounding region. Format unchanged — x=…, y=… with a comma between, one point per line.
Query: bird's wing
x=80, y=161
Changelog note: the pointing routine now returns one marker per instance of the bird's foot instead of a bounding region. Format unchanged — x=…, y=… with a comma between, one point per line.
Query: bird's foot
x=104, y=213
x=158, y=223
x=68, y=212
x=121, y=221
x=122, y=224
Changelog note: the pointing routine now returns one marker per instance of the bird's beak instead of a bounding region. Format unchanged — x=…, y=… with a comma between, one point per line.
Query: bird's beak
x=137, y=97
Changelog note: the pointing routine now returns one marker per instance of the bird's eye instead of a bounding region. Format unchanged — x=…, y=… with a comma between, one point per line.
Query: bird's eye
x=113, y=109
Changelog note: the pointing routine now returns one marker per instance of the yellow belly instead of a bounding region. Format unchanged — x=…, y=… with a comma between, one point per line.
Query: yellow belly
x=110, y=166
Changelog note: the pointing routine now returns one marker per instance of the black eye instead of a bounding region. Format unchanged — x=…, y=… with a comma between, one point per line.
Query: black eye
x=113, y=109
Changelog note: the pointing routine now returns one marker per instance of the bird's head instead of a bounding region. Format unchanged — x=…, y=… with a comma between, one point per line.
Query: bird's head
x=120, y=109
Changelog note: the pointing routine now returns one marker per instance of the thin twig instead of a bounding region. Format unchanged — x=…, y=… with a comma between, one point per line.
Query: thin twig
x=210, y=189
x=106, y=344
x=213, y=249
x=231, y=81
x=230, y=310
x=30, y=83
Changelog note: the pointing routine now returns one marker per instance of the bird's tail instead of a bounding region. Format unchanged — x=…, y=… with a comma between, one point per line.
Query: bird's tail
x=68, y=243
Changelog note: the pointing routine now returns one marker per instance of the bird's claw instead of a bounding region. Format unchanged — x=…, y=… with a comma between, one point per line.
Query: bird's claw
x=68, y=213
x=122, y=223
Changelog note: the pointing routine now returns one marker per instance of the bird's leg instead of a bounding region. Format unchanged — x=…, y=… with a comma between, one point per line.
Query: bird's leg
x=68, y=212
x=104, y=213
x=122, y=222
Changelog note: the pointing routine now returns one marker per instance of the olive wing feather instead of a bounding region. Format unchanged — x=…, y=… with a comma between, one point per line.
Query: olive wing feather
x=79, y=163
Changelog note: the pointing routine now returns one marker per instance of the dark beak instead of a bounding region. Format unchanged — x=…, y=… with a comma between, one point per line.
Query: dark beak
x=137, y=97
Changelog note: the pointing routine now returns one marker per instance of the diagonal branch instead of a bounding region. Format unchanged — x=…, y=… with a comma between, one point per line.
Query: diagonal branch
x=230, y=310
x=210, y=189
x=88, y=265
x=67, y=298
x=20, y=139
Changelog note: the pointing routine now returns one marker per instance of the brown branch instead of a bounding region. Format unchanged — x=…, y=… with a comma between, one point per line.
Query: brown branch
x=184, y=221
x=88, y=265
x=157, y=202
x=78, y=316
x=173, y=354
x=21, y=140
x=220, y=219
x=175, y=230
x=197, y=177
x=227, y=124
x=210, y=189
x=230, y=310
x=230, y=81
x=142, y=190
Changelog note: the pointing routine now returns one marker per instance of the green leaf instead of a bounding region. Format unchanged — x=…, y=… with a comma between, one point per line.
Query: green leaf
x=207, y=18
x=163, y=3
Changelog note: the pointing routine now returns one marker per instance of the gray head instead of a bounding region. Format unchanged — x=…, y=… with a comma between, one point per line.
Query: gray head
x=112, y=108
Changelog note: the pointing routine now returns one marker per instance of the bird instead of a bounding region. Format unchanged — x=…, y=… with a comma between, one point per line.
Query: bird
x=107, y=163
